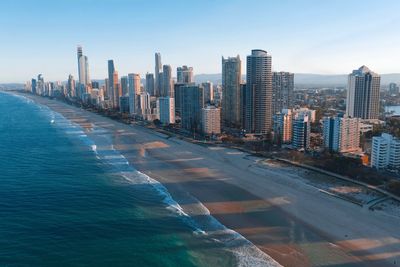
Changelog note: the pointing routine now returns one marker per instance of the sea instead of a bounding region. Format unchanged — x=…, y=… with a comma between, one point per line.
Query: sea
x=64, y=202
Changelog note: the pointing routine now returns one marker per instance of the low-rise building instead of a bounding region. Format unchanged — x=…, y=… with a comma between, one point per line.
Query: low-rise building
x=211, y=120
x=385, y=152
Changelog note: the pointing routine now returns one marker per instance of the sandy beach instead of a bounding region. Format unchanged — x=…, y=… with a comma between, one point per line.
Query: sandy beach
x=273, y=206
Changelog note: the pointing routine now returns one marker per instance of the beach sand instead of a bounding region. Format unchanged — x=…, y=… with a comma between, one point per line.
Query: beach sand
x=282, y=215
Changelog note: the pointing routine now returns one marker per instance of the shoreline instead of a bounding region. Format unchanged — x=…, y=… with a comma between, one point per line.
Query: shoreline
x=265, y=207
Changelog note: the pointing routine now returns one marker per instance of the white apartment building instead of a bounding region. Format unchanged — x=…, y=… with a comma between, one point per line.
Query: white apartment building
x=385, y=152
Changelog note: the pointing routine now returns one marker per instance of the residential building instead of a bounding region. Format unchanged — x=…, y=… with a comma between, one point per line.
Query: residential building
x=208, y=92
x=301, y=131
x=110, y=89
x=385, y=152
x=124, y=104
x=259, y=92
x=231, y=80
x=134, y=92
x=150, y=84
x=184, y=74
x=283, y=86
x=191, y=101
x=167, y=83
x=282, y=126
x=211, y=120
x=166, y=110
x=158, y=79
x=341, y=134
x=363, y=91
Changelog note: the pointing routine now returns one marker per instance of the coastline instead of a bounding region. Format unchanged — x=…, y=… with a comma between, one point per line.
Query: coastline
x=284, y=217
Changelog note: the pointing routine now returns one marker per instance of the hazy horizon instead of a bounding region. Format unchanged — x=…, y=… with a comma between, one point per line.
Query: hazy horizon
x=302, y=36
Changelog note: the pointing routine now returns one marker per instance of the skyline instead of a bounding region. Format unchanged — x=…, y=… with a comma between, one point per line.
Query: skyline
x=198, y=37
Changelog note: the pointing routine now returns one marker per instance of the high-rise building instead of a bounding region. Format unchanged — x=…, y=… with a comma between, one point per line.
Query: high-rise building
x=124, y=104
x=144, y=105
x=124, y=85
x=341, y=134
x=301, y=132
x=385, y=152
x=282, y=126
x=167, y=83
x=106, y=89
x=110, y=89
x=40, y=87
x=211, y=120
x=231, y=80
x=363, y=94
x=259, y=92
x=191, y=101
x=34, y=86
x=184, y=74
x=83, y=68
x=282, y=86
x=158, y=79
x=117, y=89
x=71, y=86
x=177, y=96
x=208, y=92
x=242, y=105
x=166, y=110
x=134, y=92
x=150, y=84
x=95, y=84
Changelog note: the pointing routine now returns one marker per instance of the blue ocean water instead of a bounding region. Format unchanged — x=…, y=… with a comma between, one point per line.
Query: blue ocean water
x=61, y=204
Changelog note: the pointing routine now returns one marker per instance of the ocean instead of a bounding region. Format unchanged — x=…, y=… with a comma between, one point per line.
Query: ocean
x=64, y=202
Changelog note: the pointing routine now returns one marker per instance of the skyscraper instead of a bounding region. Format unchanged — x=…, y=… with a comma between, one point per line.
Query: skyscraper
x=71, y=86
x=124, y=85
x=134, y=92
x=184, y=74
x=167, y=84
x=79, y=53
x=363, y=94
x=166, y=110
x=282, y=86
x=34, y=86
x=150, y=83
x=208, y=92
x=259, y=92
x=157, y=82
x=231, y=79
x=83, y=68
x=110, y=88
x=117, y=89
x=191, y=102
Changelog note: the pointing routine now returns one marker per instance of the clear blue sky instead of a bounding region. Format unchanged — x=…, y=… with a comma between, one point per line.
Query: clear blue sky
x=314, y=36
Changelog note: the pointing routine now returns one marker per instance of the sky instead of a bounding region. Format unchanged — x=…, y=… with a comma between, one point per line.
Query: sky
x=303, y=36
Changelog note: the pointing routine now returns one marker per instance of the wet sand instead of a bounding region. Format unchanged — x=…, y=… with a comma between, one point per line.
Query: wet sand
x=289, y=220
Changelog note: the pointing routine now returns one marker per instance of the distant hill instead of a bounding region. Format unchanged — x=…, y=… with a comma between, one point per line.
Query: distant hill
x=308, y=79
